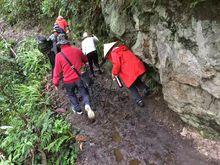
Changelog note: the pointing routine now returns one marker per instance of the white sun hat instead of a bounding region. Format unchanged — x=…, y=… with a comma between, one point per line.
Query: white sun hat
x=85, y=34
x=59, y=17
x=108, y=47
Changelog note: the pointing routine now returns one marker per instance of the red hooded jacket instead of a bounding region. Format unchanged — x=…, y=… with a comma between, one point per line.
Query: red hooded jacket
x=62, y=24
x=125, y=64
x=76, y=57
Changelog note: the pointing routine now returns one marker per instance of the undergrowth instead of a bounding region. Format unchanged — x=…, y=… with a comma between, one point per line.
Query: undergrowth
x=30, y=132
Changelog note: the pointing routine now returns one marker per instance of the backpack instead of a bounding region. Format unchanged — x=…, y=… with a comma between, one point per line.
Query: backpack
x=44, y=46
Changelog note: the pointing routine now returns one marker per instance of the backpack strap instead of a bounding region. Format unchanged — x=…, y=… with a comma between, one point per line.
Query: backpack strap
x=71, y=65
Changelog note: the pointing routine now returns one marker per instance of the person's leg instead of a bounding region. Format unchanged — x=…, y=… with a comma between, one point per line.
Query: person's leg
x=85, y=96
x=83, y=92
x=96, y=61
x=139, y=84
x=90, y=60
x=72, y=97
x=135, y=95
x=52, y=56
x=142, y=86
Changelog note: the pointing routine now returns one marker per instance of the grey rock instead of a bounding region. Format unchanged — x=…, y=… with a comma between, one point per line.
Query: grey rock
x=183, y=47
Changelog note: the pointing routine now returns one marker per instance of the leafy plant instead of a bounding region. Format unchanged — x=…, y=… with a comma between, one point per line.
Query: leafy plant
x=17, y=10
x=31, y=59
x=36, y=135
x=195, y=3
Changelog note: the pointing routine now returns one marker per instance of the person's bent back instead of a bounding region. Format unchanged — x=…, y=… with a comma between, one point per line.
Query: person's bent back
x=76, y=57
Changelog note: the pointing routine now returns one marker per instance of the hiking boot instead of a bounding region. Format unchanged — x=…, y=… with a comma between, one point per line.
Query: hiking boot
x=140, y=103
x=79, y=112
x=90, y=113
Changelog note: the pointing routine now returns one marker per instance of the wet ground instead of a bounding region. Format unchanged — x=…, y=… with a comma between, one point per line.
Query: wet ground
x=129, y=135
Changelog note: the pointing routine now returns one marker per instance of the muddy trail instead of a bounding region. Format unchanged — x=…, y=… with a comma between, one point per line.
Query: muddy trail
x=129, y=135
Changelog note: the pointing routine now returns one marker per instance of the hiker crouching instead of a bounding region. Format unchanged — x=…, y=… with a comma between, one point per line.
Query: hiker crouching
x=71, y=78
x=128, y=67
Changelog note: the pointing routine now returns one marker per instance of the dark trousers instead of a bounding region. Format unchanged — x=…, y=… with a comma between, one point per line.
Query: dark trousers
x=70, y=89
x=93, y=59
x=136, y=87
x=51, y=56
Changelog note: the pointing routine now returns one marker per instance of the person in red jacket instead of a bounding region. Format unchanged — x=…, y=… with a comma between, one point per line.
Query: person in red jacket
x=128, y=67
x=70, y=78
x=62, y=23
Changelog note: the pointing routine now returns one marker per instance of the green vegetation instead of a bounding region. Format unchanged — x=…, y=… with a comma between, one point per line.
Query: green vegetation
x=80, y=16
x=194, y=3
x=17, y=10
x=36, y=134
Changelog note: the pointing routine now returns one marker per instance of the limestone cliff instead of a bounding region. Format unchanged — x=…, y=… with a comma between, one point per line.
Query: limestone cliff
x=182, y=40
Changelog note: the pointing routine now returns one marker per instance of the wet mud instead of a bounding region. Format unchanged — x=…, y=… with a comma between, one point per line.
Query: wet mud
x=129, y=135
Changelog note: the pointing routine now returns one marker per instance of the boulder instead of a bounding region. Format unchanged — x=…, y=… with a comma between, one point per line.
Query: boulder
x=181, y=39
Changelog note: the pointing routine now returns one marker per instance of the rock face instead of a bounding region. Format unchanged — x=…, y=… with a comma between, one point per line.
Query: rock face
x=182, y=40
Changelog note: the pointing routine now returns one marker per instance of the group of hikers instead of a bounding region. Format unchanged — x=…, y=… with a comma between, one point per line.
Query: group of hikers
x=68, y=61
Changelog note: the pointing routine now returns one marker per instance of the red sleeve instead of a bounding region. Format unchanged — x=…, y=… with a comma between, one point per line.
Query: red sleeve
x=66, y=23
x=57, y=70
x=116, y=62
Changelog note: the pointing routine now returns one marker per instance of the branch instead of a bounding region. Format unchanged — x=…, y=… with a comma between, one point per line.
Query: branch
x=13, y=52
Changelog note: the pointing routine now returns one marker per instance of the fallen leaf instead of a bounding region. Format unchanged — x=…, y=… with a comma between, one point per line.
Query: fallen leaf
x=60, y=110
x=81, y=146
x=184, y=132
x=81, y=138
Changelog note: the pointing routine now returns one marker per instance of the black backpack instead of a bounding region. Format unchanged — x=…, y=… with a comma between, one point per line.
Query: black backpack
x=44, y=46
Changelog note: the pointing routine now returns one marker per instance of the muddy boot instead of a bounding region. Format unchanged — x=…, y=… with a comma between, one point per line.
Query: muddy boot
x=140, y=103
x=89, y=111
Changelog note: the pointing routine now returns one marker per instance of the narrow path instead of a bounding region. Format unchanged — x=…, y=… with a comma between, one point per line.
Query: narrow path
x=128, y=135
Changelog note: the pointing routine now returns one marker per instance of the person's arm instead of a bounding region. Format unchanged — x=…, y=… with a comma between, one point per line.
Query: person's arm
x=116, y=62
x=83, y=57
x=57, y=71
x=95, y=38
x=83, y=48
x=66, y=25
x=51, y=38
